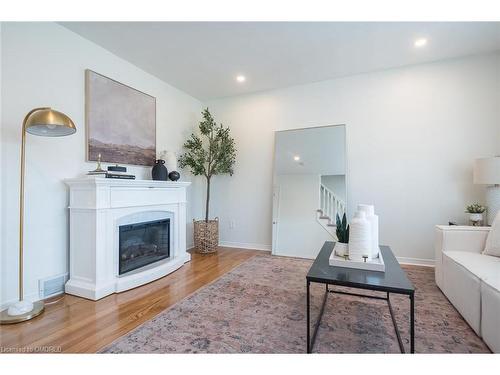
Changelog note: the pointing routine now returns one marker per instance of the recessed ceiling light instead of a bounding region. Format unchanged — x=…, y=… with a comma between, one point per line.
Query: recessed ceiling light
x=296, y=158
x=420, y=42
x=241, y=78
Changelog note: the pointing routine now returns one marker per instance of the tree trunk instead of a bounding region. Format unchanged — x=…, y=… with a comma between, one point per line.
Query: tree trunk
x=208, y=200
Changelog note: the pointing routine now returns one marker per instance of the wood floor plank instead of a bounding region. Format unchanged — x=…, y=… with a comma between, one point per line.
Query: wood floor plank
x=78, y=325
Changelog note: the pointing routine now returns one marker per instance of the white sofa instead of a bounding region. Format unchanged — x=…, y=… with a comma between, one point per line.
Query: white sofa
x=469, y=279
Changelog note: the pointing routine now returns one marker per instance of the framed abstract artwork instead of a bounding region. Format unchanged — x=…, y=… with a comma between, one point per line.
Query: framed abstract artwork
x=120, y=122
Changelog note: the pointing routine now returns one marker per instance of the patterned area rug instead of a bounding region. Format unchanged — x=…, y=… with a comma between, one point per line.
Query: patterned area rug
x=259, y=307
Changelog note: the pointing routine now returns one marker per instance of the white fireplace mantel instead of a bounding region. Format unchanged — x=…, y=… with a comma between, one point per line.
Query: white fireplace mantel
x=97, y=207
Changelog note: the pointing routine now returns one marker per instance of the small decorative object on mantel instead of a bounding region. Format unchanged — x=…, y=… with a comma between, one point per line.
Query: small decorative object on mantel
x=115, y=171
x=120, y=176
x=171, y=161
x=98, y=170
x=475, y=212
x=212, y=154
x=174, y=176
x=117, y=168
x=119, y=172
x=342, y=245
x=159, y=171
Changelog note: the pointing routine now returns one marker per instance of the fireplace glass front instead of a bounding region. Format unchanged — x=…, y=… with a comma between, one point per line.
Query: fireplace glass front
x=143, y=243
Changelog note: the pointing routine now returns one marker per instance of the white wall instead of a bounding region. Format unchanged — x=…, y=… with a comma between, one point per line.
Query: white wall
x=298, y=233
x=43, y=64
x=412, y=135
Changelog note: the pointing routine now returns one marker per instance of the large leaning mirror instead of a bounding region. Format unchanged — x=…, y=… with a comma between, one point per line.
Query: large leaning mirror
x=309, y=189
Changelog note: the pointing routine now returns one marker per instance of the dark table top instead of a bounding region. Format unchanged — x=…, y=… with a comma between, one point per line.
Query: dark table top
x=393, y=280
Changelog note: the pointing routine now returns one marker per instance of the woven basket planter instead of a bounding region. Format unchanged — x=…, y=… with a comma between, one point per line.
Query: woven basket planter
x=206, y=236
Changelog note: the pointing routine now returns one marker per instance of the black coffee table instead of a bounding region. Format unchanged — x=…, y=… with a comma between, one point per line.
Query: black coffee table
x=393, y=280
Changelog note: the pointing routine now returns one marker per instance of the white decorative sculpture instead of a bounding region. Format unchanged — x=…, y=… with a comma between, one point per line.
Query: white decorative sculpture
x=360, y=239
x=369, y=210
x=171, y=161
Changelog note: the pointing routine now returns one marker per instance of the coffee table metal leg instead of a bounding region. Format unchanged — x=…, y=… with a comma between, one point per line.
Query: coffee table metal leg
x=395, y=324
x=308, y=319
x=310, y=343
x=412, y=323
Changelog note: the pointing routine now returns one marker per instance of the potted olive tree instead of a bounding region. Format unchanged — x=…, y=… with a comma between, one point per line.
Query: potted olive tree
x=208, y=154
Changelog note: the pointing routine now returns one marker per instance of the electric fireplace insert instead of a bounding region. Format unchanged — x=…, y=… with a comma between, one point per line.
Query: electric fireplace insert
x=144, y=243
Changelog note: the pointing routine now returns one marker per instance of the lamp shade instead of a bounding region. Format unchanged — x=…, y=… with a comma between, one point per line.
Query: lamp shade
x=47, y=122
x=487, y=171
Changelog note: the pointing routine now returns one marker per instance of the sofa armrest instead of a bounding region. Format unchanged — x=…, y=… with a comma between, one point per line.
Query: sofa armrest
x=461, y=238
x=457, y=238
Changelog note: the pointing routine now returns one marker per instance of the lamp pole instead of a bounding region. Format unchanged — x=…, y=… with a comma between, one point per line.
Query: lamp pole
x=21, y=202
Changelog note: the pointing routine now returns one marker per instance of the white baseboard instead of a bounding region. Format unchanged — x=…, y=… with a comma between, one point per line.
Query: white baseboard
x=416, y=261
x=239, y=245
x=242, y=245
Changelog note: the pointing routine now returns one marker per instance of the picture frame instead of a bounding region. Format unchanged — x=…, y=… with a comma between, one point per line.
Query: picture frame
x=120, y=122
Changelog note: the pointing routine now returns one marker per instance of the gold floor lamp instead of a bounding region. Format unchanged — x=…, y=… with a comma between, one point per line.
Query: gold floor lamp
x=45, y=122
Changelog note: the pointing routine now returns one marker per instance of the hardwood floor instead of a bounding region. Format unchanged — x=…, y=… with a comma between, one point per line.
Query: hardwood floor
x=77, y=325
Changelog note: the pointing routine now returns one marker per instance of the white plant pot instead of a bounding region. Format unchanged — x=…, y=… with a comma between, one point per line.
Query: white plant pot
x=341, y=249
x=476, y=217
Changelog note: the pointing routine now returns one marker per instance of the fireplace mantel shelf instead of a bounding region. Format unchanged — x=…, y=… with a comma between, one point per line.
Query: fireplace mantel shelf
x=101, y=181
x=98, y=207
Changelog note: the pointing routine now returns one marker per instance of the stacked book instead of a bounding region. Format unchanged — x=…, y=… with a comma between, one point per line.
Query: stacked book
x=112, y=172
x=120, y=175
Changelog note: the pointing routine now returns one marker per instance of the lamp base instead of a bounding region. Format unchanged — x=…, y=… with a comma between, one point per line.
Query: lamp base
x=14, y=315
x=492, y=202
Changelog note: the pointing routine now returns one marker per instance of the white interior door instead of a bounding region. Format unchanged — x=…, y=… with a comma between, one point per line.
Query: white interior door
x=300, y=234
x=276, y=207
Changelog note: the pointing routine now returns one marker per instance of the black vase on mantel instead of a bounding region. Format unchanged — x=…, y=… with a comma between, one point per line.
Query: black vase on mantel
x=174, y=175
x=159, y=171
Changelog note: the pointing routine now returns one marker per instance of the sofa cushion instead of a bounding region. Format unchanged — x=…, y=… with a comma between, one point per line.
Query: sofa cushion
x=493, y=280
x=485, y=267
x=492, y=246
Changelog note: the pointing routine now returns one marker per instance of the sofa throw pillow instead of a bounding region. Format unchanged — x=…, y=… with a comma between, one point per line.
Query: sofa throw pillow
x=493, y=241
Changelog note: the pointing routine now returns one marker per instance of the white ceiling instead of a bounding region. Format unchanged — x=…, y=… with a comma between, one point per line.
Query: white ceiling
x=203, y=58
